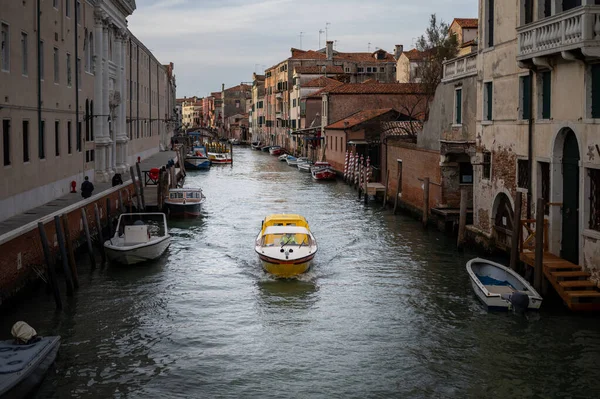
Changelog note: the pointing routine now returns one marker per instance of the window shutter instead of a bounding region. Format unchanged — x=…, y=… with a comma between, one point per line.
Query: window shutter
x=490, y=22
x=595, y=90
x=546, y=94
x=526, y=100
x=458, y=118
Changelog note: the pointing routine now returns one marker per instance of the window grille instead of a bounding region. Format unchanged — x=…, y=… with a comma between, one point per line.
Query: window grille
x=594, y=175
x=523, y=173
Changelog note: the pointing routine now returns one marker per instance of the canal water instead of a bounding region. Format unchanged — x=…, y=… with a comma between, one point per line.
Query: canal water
x=387, y=311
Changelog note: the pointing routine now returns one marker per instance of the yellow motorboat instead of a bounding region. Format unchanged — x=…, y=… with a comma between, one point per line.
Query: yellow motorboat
x=285, y=245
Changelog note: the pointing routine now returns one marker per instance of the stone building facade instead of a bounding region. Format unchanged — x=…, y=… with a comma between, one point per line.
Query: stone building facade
x=75, y=105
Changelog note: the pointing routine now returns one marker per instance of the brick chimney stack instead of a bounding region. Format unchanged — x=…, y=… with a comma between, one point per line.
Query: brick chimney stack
x=329, y=50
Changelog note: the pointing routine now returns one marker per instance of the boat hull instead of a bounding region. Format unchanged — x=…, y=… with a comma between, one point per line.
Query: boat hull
x=20, y=384
x=323, y=174
x=197, y=163
x=184, y=210
x=286, y=269
x=137, y=254
x=494, y=300
x=275, y=151
x=219, y=159
x=265, y=149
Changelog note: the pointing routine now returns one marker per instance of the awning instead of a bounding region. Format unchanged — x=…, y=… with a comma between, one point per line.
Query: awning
x=358, y=142
x=286, y=230
x=306, y=131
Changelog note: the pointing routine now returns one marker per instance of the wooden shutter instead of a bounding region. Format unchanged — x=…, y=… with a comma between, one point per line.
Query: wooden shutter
x=546, y=94
x=526, y=99
x=458, y=110
x=595, y=90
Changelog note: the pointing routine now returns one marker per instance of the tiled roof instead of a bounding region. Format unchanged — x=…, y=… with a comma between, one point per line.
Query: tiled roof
x=378, y=88
x=307, y=55
x=467, y=23
x=358, y=118
x=401, y=128
x=319, y=69
x=320, y=82
x=326, y=89
x=370, y=81
x=416, y=55
x=338, y=56
x=216, y=94
x=238, y=88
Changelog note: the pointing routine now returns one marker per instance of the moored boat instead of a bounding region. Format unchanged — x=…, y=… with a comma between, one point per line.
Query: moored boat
x=265, y=148
x=275, y=150
x=292, y=161
x=256, y=145
x=219, y=157
x=322, y=171
x=285, y=245
x=24, y=365
x=184, y=202
x=500, y=287
x=305, y=165
x=283, y=157
x=139, y=237
x=197, y=158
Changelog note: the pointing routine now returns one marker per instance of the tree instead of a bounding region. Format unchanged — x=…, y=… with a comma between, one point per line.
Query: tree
x=437, y=46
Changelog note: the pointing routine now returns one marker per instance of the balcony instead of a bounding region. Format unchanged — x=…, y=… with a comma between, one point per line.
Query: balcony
x=460, y=67
x=571, y=31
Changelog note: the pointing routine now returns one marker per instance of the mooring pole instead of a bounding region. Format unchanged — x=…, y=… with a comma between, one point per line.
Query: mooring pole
x=88, y=238
x=462, y=219
x=425, y=201
x=385, y=192
x=516, y=232
x=139, y=174
x=137, y=189
x=100, y=235
x=538, y=272
x=70, y=252
x=63, y=254
x=50, y=265
x=398, y=185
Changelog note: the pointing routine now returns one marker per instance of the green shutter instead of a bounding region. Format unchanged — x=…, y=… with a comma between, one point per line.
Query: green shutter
x=490, y=100
x=458, y=100
x=546, y=94
x=526, y=100
x=595, y=90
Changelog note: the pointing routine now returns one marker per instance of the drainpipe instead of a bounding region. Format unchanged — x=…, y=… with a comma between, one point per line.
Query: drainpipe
x=39, y=72
x=77, y=66
x=530, y=146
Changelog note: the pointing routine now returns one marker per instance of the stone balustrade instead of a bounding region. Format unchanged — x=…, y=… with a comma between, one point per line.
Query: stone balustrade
x=460, y=67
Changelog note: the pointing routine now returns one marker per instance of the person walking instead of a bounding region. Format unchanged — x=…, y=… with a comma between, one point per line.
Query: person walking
x=86, y=188
x=117, y=179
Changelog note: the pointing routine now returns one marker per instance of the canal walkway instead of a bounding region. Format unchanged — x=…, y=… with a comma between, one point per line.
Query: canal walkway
x=20, y=223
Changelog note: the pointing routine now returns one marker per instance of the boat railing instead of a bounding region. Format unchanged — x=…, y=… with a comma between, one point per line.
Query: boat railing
x=527, y=236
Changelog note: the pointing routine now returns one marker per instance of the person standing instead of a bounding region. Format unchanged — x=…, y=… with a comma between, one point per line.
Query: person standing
x=86, y=188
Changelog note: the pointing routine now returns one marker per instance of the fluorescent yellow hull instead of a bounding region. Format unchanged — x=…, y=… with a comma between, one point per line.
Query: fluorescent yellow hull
x=286, y=270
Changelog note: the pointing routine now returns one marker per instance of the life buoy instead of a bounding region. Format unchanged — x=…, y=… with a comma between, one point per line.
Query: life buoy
x=153, y=174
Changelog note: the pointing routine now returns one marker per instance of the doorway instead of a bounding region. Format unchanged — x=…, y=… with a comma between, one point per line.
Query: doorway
x=570, y=202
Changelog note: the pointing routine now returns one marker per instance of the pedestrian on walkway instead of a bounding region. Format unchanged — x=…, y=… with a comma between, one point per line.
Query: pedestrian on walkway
x=117, y=179
x=86, y=188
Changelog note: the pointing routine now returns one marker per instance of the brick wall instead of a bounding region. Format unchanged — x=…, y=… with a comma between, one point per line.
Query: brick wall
x=417, y=164
x=343, y=105
x=24, y=253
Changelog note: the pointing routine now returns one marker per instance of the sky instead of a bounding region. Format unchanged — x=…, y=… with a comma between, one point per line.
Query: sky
x=225, y=41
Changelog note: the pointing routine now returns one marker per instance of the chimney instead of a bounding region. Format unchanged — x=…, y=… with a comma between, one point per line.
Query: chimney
x=398, y=51
x=222, y=86
x=329, y=50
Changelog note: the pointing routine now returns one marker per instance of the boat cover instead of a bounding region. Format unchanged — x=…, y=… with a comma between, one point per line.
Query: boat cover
x=14, y=358
x=286, y=229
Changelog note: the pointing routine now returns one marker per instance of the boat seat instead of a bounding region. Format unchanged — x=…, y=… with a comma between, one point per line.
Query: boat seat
x=500, y=289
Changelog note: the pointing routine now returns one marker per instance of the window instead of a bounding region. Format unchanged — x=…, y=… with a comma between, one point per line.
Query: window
x=42, y=140
x=6, y=141
x=487, y=101
x=487, y=165
x=369, y=70
x=525, y=89
x=381, y=69
x=569, y=4
x=25, y=141
x=547, y=8
x=595, y=89
x=594, y=199
x=294, y=103
x=56, y=70
x=55, y=4
x=360, y=69
x=68, y=8
x=5, y=50
x=91, y=119
x=293, y=124
x=24, y=53
x=78, y=67
x=86, y=52
x=465, y=171
x=42, y=59
x=78, y=144
x=69, y=146
x=347, y=70
x=69, y=71
x=57, y=138
x=78, y=11
x=546, y=94
x=544, y=175
x=527, y=11
x=522, y=173
x=490, y=23
x=458, y=106
x=91, y=53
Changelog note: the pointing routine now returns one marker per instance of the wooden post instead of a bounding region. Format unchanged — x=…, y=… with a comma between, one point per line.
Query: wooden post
x=100, y=235
x=50, y=265
x=88, y=238
x=462, y=220
x=231, y=151
x=385, y=193
x=359, y=185
x=159, y=198
x=63, y=254
x=538, y=272
x=108, y=214
x=121, y=206
x=425, y=201
x=366, y=188
x=516, y=232
x=70, y=253
x=137, y=190
x=399, y=185
x=139, y=173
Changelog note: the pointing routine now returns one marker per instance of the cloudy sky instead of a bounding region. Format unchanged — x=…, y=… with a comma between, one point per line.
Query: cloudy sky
x=225, y=41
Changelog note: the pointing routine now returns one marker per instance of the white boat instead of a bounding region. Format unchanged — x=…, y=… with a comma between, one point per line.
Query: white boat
x=219, y=158
x=285, y=245
x=283, y=157
x=305, y=165
x=139, y=237
x=292, y=161
x=23, y=366
x=184, y=202
x=500, y=287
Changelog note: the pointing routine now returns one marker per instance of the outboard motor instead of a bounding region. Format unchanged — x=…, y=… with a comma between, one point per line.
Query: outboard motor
x=518, y=300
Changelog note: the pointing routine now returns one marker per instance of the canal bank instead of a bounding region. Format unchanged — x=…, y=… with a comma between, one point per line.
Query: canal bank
x=23, y=260
x=387, y=310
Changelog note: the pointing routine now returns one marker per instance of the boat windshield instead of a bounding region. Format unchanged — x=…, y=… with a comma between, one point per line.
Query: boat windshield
x=273, y=240
x=155, y=223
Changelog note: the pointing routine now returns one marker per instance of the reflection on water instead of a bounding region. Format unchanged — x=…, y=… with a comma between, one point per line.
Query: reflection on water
x=386, y=310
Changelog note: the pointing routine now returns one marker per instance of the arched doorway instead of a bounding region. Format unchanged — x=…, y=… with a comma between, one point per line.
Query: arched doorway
x=503, y=221
x=570, y=201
